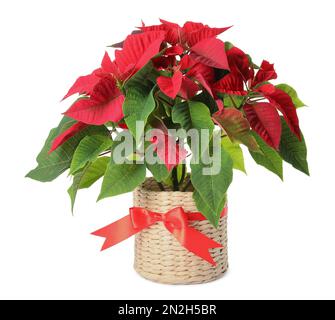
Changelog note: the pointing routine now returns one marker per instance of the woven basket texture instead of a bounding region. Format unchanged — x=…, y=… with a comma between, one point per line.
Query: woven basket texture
x=160, y=257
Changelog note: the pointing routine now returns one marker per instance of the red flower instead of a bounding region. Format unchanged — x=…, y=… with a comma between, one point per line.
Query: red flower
x=200, y=53
x=176, y=50
x=104, y=100
x=185, y=84
x=188, y=88
x=265, y=73
x=239, y=63
x=196, y=37
x=283, y=102
x=171, y=86
x=83, y=85
x=103, y=105
x=188, y=35
x=137, y=50
x=168, y=149
x=230, y=84
x=263, y=116
x=211, y=52
x=241, y=73
x=264, y=119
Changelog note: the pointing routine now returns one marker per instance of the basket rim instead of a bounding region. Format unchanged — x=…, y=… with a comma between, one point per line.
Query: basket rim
x=149, y=182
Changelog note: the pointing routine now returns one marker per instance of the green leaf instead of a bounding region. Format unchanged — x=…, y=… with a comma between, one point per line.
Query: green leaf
x=159, y=171
x=269, y=158
x=292, y=93
x=139, y=102
x=228, y=45
x=138, y=105
x=237, y=127
x=235, y=152
x=95, y=171
x=145, y=77
x=208, y=100
x=233, y=101
x=292, y=150
x=180, y=169
x=50, y=166
x=203, y=206
x=88, y=150
x=211, y=189
x=252, y=64
x=72, y=191
x=87, y=177
x=121, y=178
x=193, y=115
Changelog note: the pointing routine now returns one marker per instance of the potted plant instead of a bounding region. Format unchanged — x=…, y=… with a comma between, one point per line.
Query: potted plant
x=179, y=103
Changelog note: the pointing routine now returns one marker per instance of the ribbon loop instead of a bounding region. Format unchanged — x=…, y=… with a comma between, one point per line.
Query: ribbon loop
x=176, y=221
x=141, y=217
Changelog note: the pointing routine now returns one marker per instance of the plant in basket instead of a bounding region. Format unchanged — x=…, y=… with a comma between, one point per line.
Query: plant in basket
x=181, y=104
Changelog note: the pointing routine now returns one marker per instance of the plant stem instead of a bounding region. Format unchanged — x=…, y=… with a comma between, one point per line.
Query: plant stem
x=187, y=185
x=232, y=100
x=174, y=176
x=104, y=153
x=183, y=173
x=161, y=187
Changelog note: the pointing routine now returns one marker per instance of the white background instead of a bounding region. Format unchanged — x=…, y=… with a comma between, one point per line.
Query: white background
x=281, y=235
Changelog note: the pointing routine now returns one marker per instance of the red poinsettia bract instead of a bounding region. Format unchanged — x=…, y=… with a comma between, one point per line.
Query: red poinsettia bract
x=67, y=134
x=104, y=104
x=103, y=99
x=189, y=59
x=262, y=99
x=187, y=76
x=168, y=149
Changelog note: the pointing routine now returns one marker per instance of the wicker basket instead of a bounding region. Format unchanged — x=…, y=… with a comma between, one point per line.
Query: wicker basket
x=160, y=257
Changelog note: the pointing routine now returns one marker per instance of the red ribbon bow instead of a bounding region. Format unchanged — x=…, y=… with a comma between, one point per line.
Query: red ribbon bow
x=175, y=221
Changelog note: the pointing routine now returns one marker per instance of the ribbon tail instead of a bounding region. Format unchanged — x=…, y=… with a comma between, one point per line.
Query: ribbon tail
x=116, y=232
x=197, y=243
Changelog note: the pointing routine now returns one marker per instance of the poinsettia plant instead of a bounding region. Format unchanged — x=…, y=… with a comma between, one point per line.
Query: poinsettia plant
x=183, y=78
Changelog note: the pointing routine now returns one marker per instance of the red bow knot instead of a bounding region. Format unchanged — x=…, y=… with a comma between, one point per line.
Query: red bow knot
x=175, y=218
x=176, y=221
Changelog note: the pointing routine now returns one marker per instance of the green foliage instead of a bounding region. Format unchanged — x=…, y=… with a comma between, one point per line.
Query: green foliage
x=139, y=102
x=138, y=105
x=207, y=100
x=86, y=177
x=293, y=150
x=228, y=45
x=237, y=127
x=211, y=188
x=292, y=93
x=233, y=101
x=88, y=150
x=159, y=171
x=204, y=207
x=193, y=115
x=121, y=178
x=235, y=152
x=269, y=158
x=176, y=177
x=149, y=104
x=145, y=77
x=50, y=166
